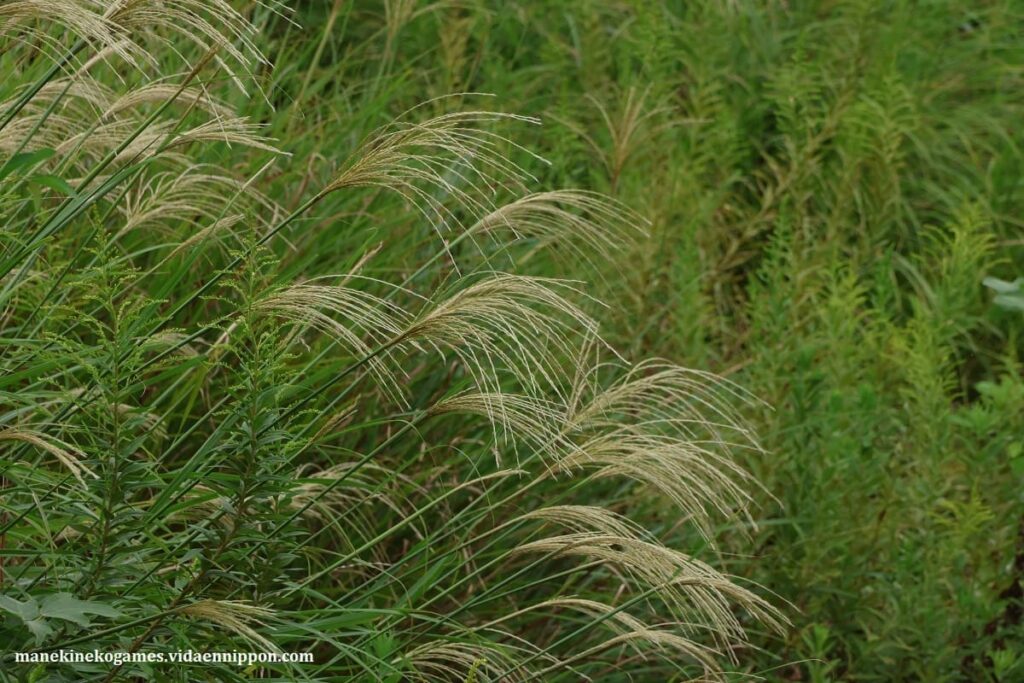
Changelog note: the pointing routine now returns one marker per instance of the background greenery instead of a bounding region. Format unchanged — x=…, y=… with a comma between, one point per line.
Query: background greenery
x=828, y=185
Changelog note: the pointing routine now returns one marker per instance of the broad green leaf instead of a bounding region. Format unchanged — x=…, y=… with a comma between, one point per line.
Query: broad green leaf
x=69, y=608
x=1002, y=286
x=26, y=611
x=40, y=629
x=30, y=614
x=1011, y=301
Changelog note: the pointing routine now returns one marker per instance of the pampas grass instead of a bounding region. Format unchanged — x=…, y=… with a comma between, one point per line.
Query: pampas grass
x=407, y=474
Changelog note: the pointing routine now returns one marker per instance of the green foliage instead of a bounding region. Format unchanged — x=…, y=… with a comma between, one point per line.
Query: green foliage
x=236, y=382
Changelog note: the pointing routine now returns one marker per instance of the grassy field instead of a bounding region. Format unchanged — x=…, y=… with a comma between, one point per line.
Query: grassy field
x=513, y=341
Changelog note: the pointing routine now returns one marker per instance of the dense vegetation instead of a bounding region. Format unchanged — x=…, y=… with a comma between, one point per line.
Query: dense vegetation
x=313, y=339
